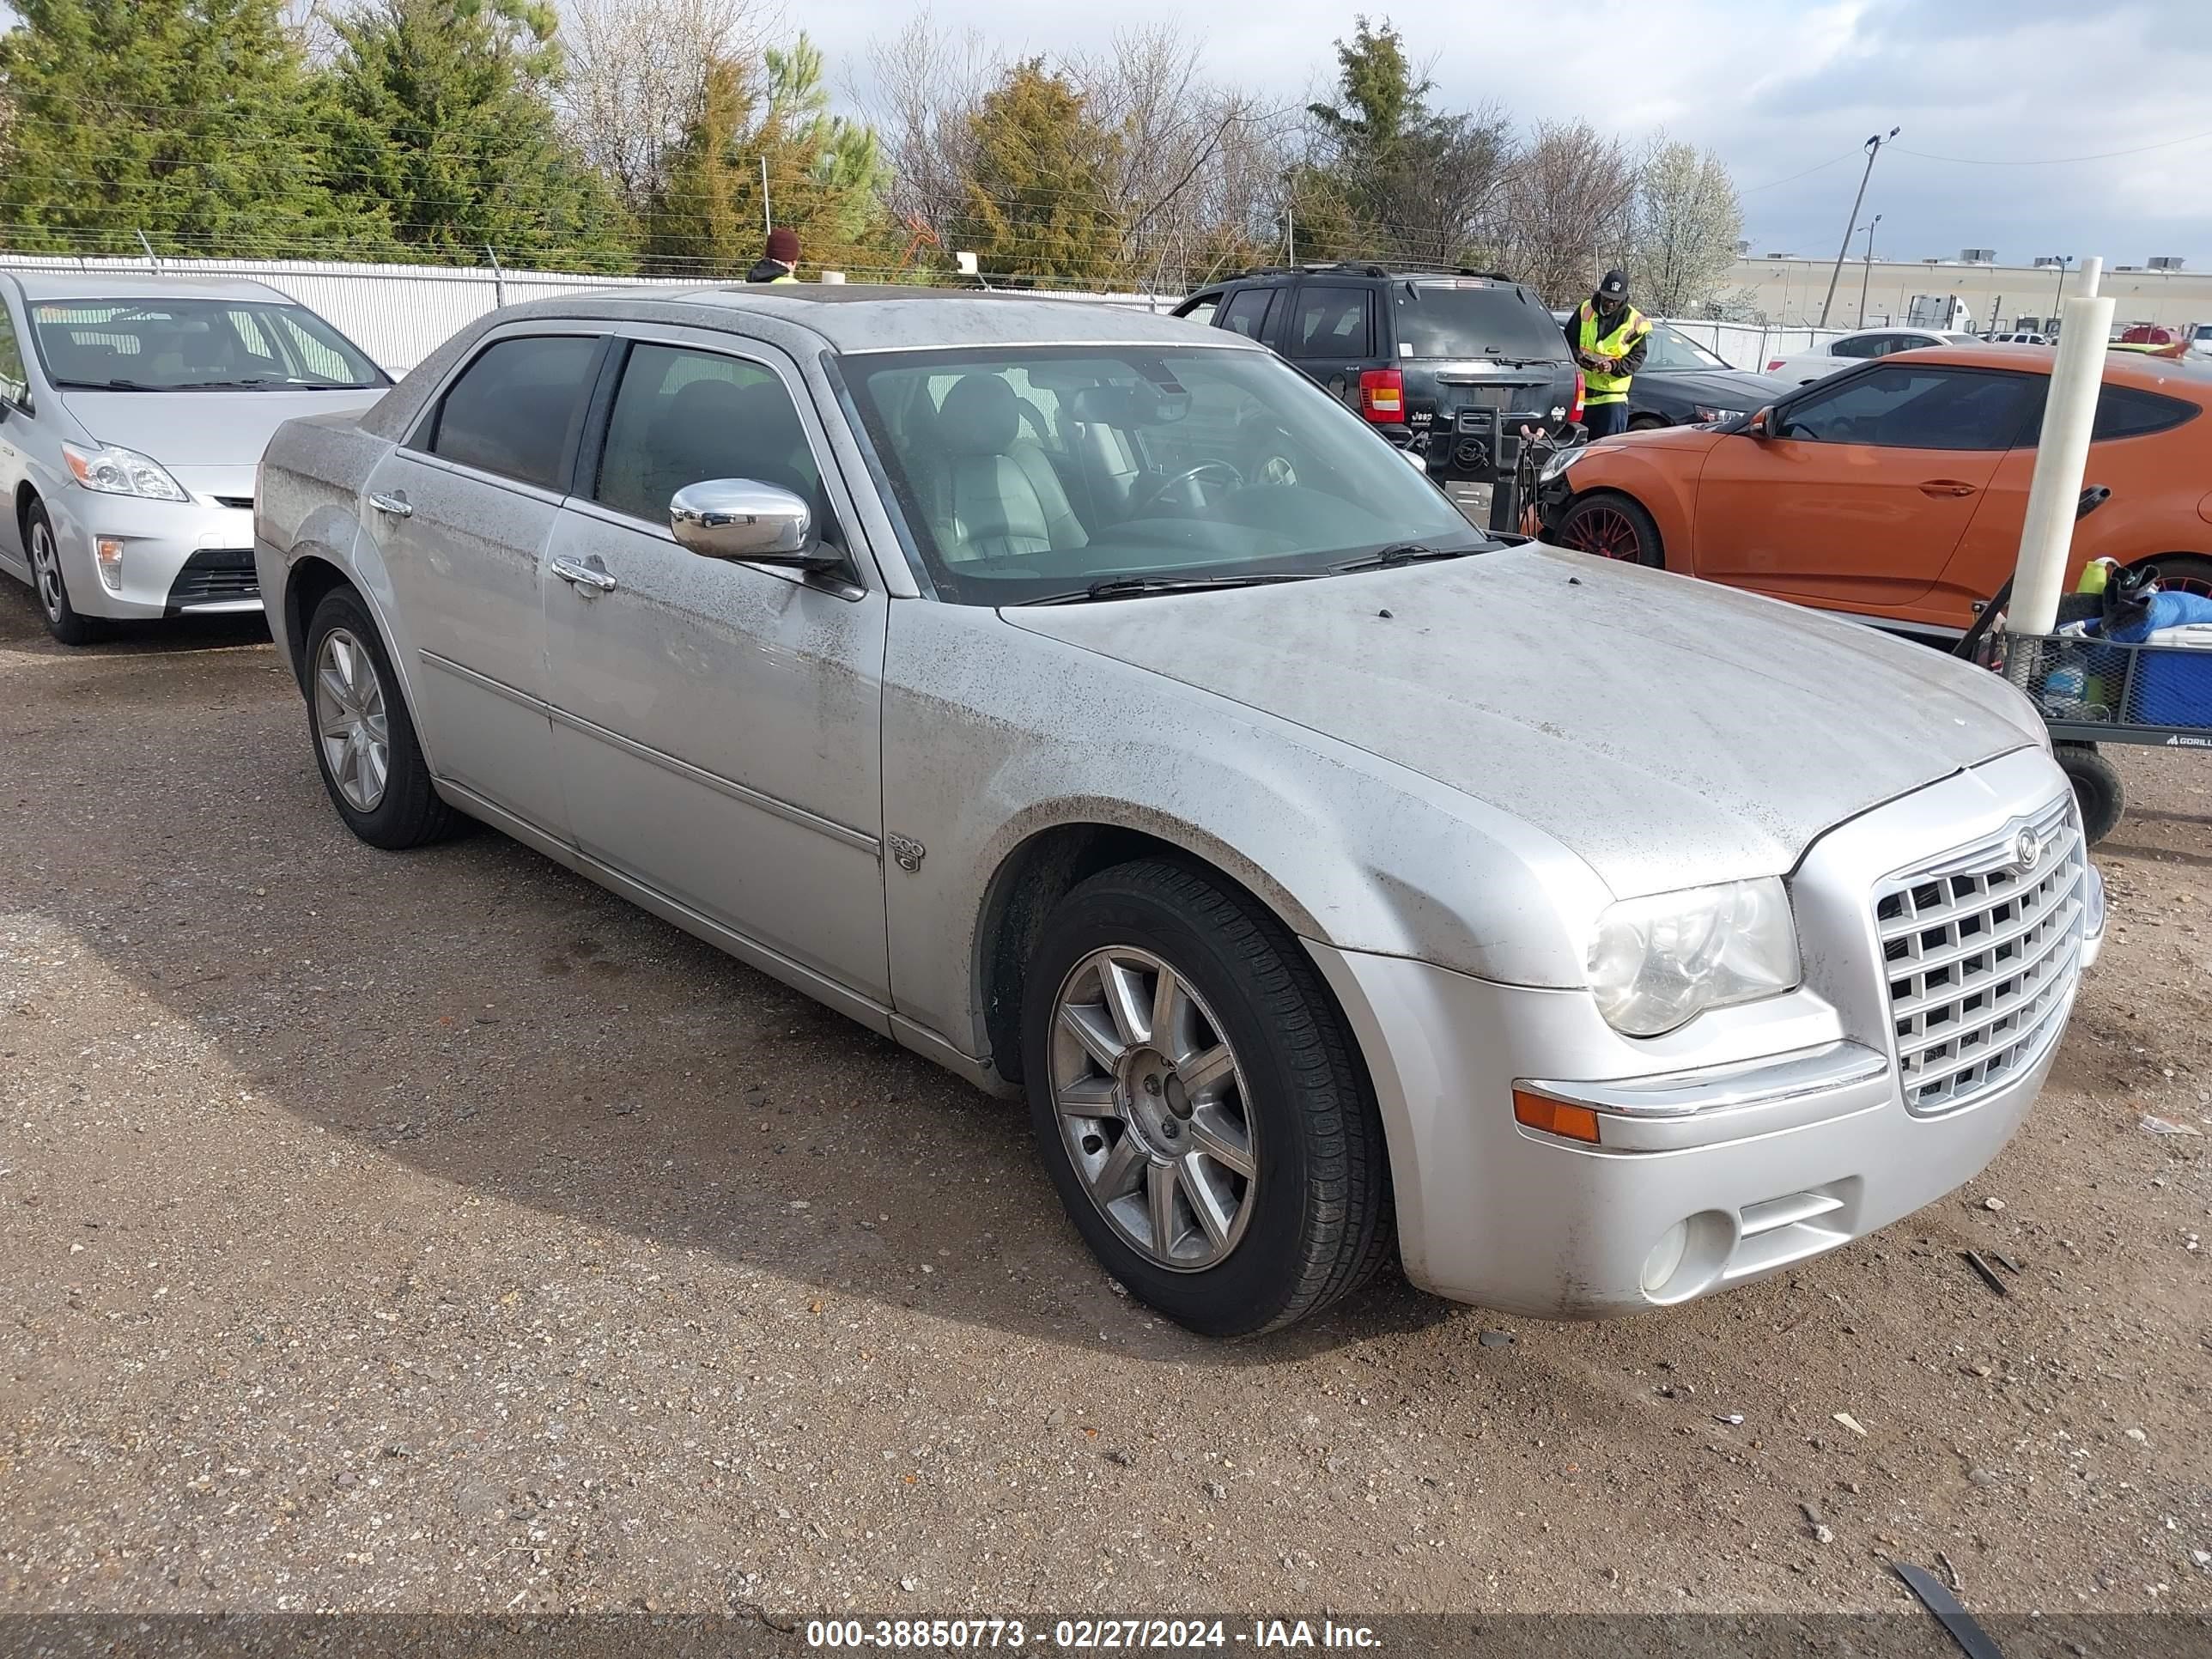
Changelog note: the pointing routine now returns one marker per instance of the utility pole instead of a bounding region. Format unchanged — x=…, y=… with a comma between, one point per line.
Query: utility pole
x=2058, y=293
x=1866, y=277
x=768, y=219
x=1873, y=149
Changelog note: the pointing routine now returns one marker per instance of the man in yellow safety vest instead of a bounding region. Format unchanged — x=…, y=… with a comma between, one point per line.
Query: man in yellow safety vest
x=1608, y=337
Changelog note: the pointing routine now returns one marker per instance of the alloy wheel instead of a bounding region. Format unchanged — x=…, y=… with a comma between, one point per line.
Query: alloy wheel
x=1152, y=1108
x=46, y=569
x=1605, y=531
x=351, y=721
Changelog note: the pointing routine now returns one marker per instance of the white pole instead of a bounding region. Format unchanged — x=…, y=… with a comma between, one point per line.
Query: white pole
x=2061, y=457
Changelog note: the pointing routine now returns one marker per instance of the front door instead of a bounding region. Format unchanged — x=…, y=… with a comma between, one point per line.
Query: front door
x=718, y=723
x=462, y=513
x=1858, y=498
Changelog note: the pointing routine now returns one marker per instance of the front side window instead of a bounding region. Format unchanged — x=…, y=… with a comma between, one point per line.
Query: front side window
x=13, y=387
x=196, y=345
x=682, y=417
x=1334, y=322
x=512, y=410
x=1909, y=407
x=1247, y=313
x=1181, y=462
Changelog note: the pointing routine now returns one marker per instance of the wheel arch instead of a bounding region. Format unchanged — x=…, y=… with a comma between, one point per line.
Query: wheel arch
x=311, y=579
x=26, y=494
x=1040, y=869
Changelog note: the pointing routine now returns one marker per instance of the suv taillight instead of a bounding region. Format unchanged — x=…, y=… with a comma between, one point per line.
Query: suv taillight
x=1575, y=415
x=1382, y=396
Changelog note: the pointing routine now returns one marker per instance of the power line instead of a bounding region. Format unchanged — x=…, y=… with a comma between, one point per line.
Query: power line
x=1795, y=177
x=2057, y=160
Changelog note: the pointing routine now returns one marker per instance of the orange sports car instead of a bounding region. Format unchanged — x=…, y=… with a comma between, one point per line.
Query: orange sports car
x=1896, y=491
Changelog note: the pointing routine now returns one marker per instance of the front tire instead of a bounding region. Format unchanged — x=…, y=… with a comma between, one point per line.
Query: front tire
x=362, y=735
x=1198, y=1103
x=64, y=620
x=1612, y=526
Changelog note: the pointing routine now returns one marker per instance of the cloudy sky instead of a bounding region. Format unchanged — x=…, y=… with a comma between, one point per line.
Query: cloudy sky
x=1787, y=92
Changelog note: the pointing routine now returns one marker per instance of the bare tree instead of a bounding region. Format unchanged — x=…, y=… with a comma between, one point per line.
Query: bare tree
x=636, y=73
x=1566, y=206
x=928, y=83
x=1687, y=220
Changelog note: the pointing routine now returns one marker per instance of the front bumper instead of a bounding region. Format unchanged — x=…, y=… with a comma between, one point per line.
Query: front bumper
x=1755, y=1137
x=177, y=557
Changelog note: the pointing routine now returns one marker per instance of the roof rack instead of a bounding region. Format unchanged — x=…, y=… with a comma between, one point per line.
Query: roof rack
x=1363, y=268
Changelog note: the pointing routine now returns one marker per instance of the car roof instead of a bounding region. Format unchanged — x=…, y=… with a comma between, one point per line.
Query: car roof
x=850, y=317
x=56, y=284
x=2177, y=375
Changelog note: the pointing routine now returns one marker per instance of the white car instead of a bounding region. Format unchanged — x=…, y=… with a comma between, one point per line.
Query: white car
x=1804, y=367
x=2018, y=337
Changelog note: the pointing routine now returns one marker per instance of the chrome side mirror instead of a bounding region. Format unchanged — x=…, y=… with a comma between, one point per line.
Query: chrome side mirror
x=743, y=518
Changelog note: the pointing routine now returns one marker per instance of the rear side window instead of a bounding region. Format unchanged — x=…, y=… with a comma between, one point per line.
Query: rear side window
x=683, y=417
x=1867, y=345
x=1334, y=322
x=1474, y=318
x=1247, y=313
x=512, y=410
x=2124, y=412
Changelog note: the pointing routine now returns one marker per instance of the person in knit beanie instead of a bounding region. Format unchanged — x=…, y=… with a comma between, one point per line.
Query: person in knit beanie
x=779, y=260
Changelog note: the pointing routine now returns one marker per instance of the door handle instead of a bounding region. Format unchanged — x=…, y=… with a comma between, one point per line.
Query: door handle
x=396, y=504
x=1946, y=487
x=586, y=579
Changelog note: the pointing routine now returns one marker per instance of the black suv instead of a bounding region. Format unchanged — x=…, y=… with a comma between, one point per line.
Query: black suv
x=1421, y=354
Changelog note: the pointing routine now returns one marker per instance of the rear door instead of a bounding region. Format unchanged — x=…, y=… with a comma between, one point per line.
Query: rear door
x=1864, y=490
x=462, y=511
x=1330, y=333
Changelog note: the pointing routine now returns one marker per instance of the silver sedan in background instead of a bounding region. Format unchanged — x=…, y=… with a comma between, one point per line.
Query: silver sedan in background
x=133, y=412
x=1332, y=877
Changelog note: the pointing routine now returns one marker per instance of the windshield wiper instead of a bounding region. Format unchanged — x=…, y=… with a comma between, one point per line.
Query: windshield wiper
x=1410, y=553
x=1125, y=587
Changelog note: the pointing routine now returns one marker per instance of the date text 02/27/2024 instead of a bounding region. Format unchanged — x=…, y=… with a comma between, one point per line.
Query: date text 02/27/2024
x=1085, y=1635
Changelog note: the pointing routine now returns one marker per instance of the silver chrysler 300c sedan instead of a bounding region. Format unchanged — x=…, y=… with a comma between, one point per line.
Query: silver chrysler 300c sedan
x=1325, y=874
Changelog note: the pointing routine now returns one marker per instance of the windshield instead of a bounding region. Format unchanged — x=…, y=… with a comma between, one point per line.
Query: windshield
x=195, y=345
x=1669, y=347
x=1028, y=473
x=1474, y=317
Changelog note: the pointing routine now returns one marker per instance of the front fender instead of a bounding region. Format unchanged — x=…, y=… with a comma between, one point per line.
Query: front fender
x=994, y=735
x=1653, y=473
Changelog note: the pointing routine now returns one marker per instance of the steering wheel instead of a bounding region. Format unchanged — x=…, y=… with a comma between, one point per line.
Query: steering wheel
x=1188, y=475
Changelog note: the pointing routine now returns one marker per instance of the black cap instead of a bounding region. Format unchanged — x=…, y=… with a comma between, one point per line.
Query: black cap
x=1614, y=286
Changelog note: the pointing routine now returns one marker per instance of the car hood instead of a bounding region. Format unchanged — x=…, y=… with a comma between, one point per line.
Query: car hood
x=1722, y=388
x=1668, y=732
x=203, y=428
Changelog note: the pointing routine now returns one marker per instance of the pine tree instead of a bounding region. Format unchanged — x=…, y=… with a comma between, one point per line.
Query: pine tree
x=1041, y=201
x=193, y=121
x=442, y=113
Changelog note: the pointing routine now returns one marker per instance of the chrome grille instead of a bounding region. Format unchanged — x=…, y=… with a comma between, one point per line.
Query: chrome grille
x=1980, y=955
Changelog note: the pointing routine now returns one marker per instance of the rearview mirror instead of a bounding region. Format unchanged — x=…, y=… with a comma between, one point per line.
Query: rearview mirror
x=745, y=518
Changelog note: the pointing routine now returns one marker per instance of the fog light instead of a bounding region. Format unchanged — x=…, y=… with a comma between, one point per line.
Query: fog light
x=1666, y=1258
x=107, y=553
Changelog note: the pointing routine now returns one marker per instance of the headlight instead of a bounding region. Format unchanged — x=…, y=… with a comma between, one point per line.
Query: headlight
x=1659, y=962
x=1704, y=414
x=1560, y=461
x=113, y=470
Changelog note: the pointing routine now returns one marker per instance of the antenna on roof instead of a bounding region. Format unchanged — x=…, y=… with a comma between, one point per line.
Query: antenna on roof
x=151, y=258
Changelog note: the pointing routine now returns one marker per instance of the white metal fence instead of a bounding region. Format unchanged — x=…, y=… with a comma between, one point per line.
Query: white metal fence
x=400, y=314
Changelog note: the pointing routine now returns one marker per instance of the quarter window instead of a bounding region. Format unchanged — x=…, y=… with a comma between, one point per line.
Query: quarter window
x=1201, y=311
x=512, y=410
x=1247, y=313
x=1908, y=407
x=14, y=386
x=682, y=417
x=1334, y=322
x=2124, y=412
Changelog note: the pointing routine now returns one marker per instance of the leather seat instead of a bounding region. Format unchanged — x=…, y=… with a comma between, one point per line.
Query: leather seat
x=999, y=497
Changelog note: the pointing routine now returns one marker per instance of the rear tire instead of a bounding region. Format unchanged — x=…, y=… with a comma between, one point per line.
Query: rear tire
x=64, y=620
x=1611, y=525
x=1645, y=422
x=1247, y=1099
x=2097, y=787
x=362, y=735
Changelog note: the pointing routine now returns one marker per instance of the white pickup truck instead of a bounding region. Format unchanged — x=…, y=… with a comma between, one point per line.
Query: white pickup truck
x=1804, y=367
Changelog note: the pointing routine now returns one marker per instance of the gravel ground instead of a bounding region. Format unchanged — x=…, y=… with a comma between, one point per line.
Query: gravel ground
x=437, y=1232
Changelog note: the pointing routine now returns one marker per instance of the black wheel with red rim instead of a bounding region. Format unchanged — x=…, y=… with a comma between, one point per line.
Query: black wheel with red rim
x=2184, y=573
x=1612, y=527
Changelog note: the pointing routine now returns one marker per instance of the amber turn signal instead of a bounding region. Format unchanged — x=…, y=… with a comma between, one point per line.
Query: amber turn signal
x=1555, y=1117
